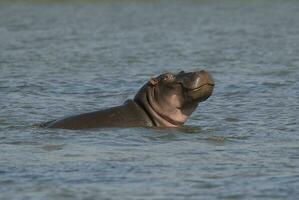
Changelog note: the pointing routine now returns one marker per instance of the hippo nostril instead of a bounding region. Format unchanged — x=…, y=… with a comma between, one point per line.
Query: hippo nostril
x=197, y=73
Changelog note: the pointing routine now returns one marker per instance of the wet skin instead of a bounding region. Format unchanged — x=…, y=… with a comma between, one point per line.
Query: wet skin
x=165, y=101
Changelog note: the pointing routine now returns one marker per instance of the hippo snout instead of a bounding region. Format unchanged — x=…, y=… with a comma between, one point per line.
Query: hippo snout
x=195, y=80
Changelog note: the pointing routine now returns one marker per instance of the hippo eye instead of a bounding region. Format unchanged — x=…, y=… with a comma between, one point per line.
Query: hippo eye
x=168, y=77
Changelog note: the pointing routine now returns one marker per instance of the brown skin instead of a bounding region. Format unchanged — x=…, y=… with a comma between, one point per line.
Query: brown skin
x=165, y=101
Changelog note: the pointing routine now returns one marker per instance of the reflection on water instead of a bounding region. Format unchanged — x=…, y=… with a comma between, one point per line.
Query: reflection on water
x=66, y=58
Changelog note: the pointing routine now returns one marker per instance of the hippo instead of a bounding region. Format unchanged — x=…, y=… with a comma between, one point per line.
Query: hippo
x=164, y=101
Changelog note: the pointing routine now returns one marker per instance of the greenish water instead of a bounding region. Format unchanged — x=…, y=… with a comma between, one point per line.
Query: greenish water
x=67, y=58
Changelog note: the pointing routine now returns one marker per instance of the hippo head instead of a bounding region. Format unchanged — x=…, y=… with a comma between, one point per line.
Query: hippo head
x=170, y=99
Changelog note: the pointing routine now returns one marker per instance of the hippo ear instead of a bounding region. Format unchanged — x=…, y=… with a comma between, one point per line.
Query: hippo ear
x=153, y=81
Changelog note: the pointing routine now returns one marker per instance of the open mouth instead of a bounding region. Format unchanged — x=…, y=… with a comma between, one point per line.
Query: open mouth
x=198, y=88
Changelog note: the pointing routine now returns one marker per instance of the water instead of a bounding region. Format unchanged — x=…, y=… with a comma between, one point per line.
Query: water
x=58, y=59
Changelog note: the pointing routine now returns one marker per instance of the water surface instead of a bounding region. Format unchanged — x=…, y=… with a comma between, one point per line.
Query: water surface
x=59, y=59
